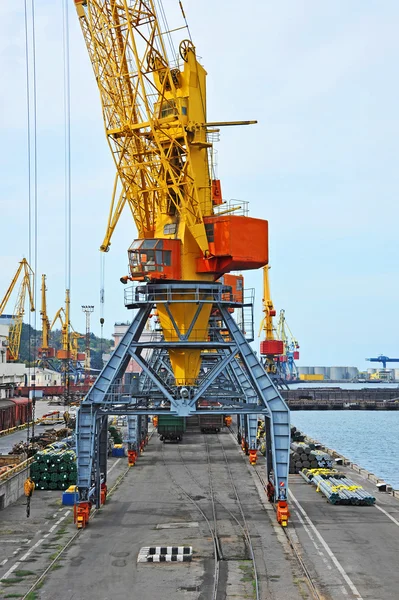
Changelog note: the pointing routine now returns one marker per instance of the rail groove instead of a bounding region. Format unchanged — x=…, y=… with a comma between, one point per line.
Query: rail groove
x=213, y=530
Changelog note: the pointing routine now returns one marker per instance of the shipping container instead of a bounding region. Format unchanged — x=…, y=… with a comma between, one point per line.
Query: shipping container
x=171, y=428
x=211, y=423
x=307, y=377
x=7, y=414
x=23, y=410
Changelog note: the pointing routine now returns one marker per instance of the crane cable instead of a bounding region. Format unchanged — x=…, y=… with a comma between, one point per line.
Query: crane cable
x=30, y=62
x=67, y=174
x=102, y=299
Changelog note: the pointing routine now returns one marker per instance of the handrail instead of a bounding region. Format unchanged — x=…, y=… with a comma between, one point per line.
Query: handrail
x=15, y=470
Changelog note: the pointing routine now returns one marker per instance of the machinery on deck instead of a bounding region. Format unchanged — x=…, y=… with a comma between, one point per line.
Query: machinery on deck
x=154, y=108
x=15, y=330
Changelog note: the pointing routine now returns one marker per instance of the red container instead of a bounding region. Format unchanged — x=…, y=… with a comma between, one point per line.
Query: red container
x=271, y=347
x=296, y=355
x=282, y=358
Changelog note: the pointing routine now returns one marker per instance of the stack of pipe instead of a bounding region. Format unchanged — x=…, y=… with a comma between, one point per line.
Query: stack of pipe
x=305, y=456
x=296, y=435
x=54, y=468
x=337, y=488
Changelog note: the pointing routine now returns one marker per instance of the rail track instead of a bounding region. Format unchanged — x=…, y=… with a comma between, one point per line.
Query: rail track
x=317, y=595
x=242, y=525
x=212, y=529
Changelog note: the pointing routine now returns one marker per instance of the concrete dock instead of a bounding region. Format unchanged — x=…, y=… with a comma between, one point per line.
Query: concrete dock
x=331, y=552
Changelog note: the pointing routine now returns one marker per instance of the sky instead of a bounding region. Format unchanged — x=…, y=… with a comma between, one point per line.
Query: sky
x=321, y=164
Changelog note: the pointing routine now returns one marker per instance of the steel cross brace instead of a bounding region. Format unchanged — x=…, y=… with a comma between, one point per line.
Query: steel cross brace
x=271, y=399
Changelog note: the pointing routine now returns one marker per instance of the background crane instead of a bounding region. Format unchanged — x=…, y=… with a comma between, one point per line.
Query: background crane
x=383, y=359
x=69, y=354
x=46, y=353
x=291, y=349
x=271, y=347
x=26, y=285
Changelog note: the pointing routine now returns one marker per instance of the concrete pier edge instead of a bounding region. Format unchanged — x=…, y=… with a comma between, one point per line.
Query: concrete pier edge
x=362, y=472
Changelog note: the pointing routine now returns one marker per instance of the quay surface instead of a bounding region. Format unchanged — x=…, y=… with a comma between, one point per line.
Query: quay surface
x=338, y=552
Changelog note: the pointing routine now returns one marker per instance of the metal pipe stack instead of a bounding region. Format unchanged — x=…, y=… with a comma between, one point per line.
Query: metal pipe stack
x=337, y=488
x=305, y=456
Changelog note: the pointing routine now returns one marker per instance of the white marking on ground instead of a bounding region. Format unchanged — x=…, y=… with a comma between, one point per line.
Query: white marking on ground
x=25, y=556
x=177, y=525
x=18, y=562
x=3, y=562
x=114, y=465
x=56, y=524
x=330, y=553
x=387, y=514
x=16, y=551
x=15, y=541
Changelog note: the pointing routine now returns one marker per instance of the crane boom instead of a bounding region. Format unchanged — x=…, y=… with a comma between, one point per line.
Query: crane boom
x=27, y=283
x=44, y=316
x=158, y=148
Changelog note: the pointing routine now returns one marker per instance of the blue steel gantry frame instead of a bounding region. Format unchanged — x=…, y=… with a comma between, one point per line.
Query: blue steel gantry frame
x=231, y=381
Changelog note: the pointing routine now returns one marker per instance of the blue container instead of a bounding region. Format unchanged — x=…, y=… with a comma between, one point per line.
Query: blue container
x=119, y=452
x=69, y=499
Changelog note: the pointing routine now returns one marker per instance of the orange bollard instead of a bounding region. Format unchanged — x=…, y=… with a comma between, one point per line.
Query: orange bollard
x=270, y=491
x=103, y=493
x=141, y=446
x=228, y=420
x=283, y=513
x=131, y=457
x=81, y=514
x=155, y=421
x=253, y=456
x=243, y=442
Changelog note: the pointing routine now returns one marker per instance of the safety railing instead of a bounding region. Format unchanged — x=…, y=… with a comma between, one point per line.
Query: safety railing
x=233, y=207
x=15, y=470
x=183, y=292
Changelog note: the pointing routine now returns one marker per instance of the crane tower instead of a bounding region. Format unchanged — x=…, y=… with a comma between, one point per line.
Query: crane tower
x=154, y=109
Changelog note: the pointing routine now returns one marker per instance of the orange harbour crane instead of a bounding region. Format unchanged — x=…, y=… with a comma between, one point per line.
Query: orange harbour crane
x=27, y=285
x=270, y=347
x=188, y=237
x=69, y=354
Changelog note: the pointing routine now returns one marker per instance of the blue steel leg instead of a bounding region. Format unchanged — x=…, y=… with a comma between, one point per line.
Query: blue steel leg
x=252, y=421
x=132, y=432
x=272, y=400
x=85, y=447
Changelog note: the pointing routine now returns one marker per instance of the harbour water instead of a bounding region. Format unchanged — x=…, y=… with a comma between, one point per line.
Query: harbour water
x=367, y=438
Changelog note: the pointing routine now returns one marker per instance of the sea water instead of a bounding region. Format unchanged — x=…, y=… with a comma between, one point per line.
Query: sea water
x=368, y=438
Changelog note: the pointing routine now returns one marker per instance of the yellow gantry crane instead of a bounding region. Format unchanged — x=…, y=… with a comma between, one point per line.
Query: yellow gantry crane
x=27, y=285
x=272, y=346
x=156, y=125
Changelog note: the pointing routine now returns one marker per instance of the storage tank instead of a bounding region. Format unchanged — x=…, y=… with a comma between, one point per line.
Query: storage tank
x=352, y=372
x=319, y=370
x=337, y=373
x=396, y=371
x=304, y=370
